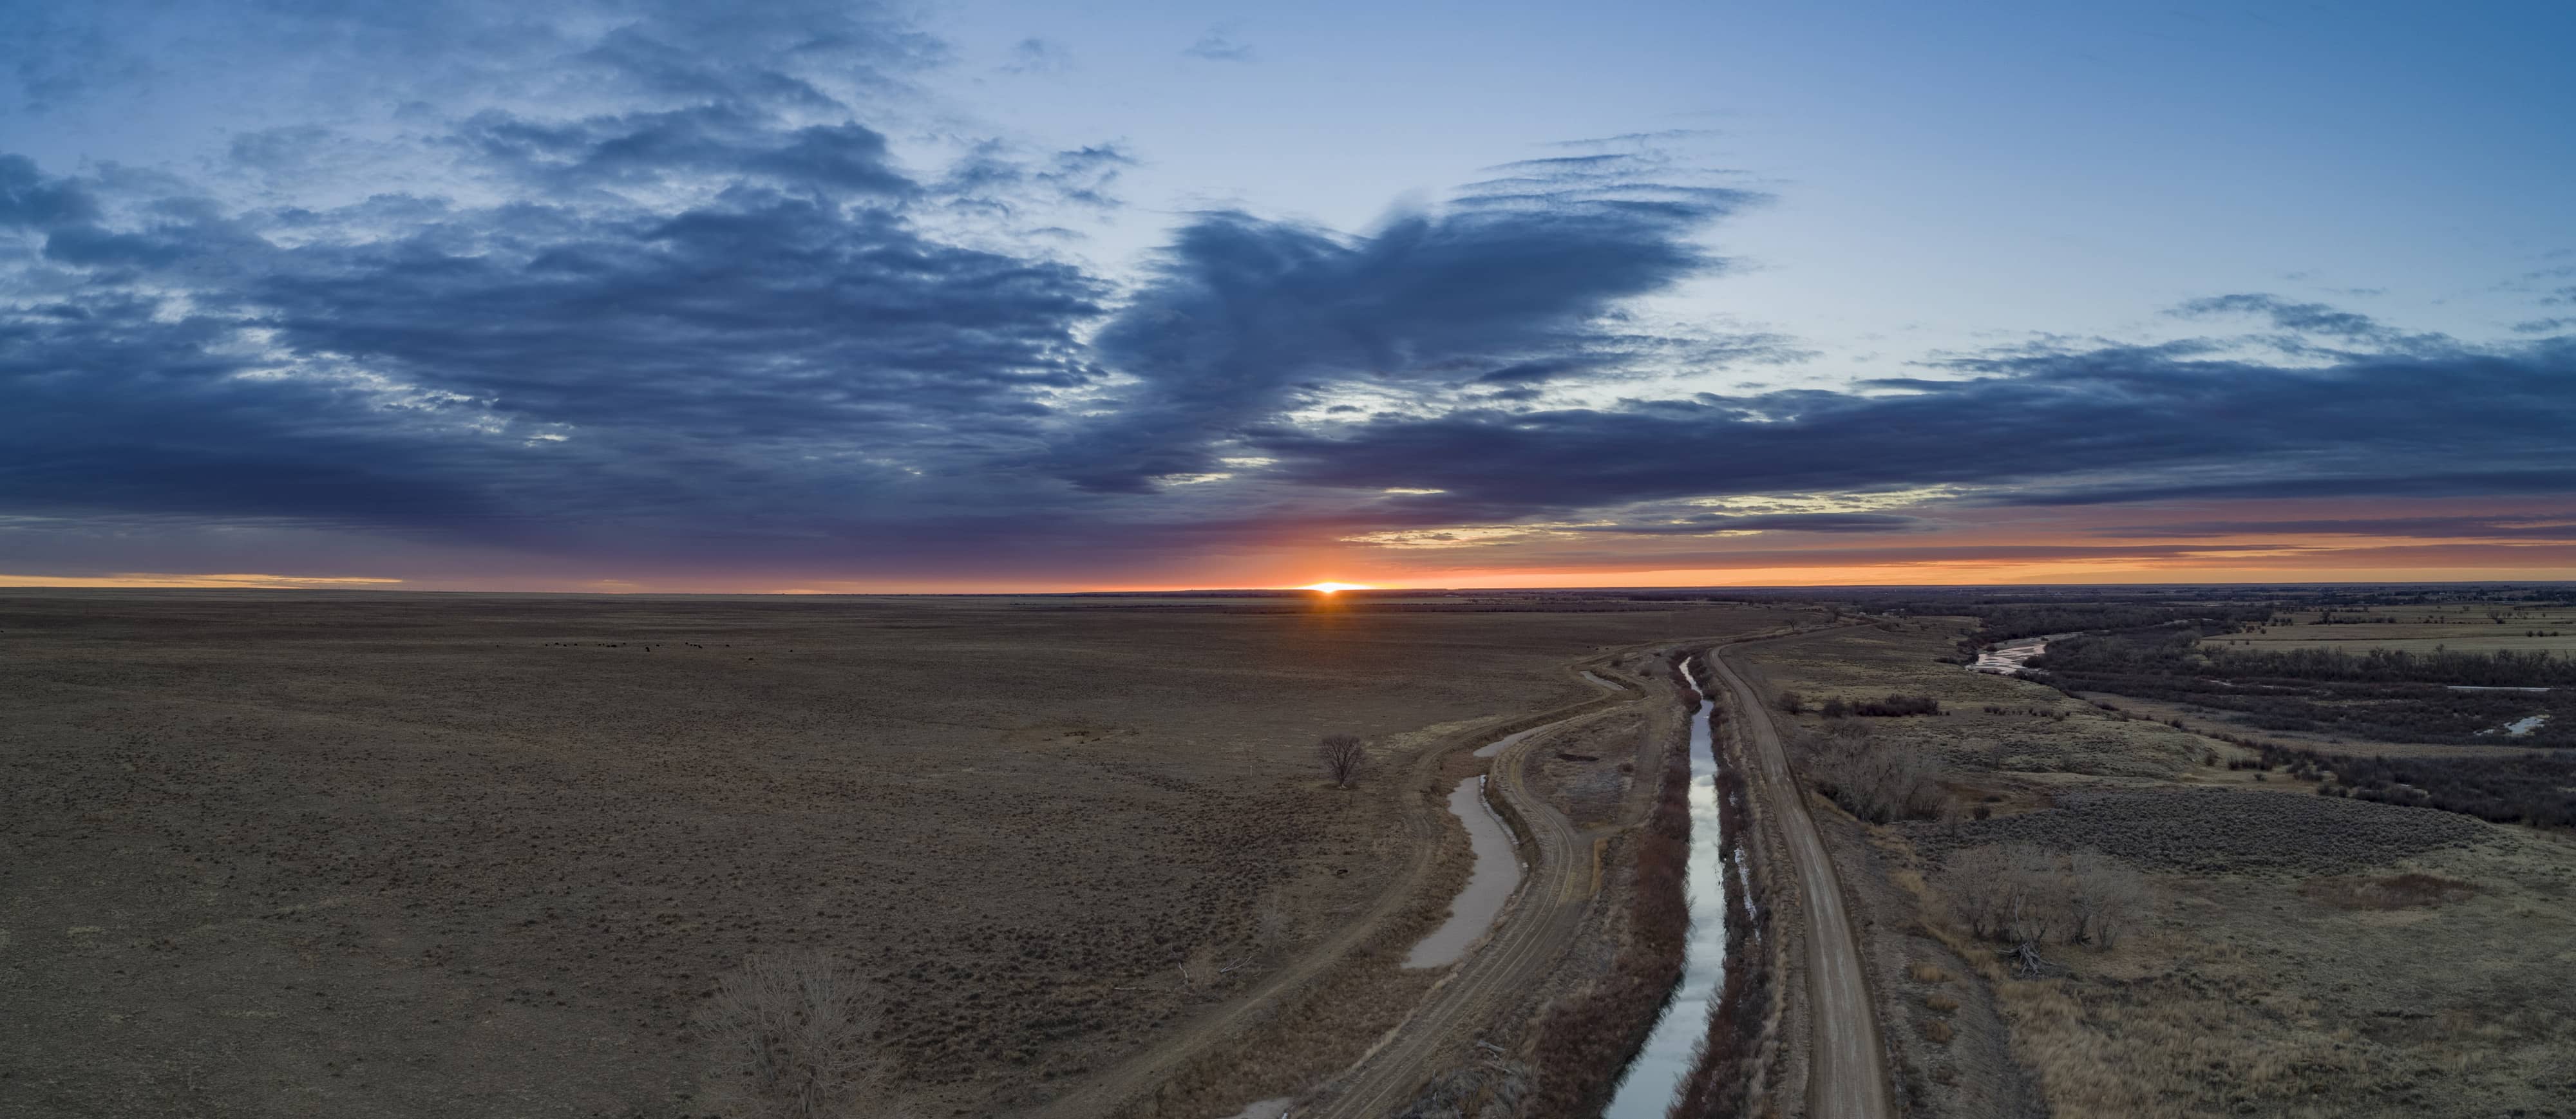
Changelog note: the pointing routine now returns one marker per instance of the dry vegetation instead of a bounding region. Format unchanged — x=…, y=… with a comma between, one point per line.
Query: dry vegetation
x=2474, y=627
x=2200, y=939
x=324, y=854
x=2219, y=831
x=1586, y=1036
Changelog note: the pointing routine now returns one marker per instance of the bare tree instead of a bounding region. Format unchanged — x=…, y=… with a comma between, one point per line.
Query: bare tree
x=1341, y=755
x=797, y=1024
x=1976, y=884
x=1789, y=701
x=2037, y=894
x=2109, y=898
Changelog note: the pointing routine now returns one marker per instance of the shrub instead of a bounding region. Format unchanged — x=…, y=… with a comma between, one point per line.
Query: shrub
x=1898, y=706
x=2017, y=892
x=1871, y=780
x=795, y=1025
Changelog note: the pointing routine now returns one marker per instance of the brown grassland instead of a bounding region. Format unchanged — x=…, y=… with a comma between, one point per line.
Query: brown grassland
x=2301, y=955
x=2460, y=627
x=294, y=854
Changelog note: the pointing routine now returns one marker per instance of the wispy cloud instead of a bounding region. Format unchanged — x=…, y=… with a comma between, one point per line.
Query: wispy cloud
x=1219, y=46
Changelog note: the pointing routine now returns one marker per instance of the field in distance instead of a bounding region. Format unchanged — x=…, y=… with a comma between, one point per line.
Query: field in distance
x=2460, y=627
x=337, y=854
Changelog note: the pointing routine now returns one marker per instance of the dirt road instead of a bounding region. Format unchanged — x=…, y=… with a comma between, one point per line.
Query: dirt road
x=1149, y=1069
x=1847, y=1074
x=1524, y=945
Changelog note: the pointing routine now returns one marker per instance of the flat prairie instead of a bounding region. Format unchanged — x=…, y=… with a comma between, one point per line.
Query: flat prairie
x=309, y=854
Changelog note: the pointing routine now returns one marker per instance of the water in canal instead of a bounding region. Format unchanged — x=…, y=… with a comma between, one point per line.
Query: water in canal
x=1647, y=1089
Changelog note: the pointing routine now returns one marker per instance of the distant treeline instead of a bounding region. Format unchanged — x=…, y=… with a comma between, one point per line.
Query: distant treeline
x=2504, y=668
x=2391, y=696
x=2007, y=621
x=2179, y=652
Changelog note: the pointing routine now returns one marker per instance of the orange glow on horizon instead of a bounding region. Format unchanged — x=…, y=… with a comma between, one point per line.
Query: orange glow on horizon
x=1328, y=587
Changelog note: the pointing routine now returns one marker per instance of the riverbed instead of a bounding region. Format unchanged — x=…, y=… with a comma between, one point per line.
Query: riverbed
x=2007, y=660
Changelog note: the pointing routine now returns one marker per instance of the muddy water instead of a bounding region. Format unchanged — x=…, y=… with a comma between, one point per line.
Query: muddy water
x=1491, y=884
x=1647, y=1089
x=1505, y=742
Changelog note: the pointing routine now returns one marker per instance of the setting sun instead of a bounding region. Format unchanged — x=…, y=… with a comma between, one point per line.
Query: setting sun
x=1330, y=587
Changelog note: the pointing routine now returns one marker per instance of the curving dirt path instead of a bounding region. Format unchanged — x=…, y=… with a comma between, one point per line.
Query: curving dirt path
x=1147, y=1070
x=1847, y=1073
x=1519, y=951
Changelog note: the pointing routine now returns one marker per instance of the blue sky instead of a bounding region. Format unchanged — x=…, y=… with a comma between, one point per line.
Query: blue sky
x=989, y=295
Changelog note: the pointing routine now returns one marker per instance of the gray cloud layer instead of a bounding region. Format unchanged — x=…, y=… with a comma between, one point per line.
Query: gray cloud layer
x=670, y=290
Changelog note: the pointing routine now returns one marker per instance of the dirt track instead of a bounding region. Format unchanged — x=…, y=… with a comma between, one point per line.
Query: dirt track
x=1523, y=946
x=1145, y=1071
x=1848, y=1075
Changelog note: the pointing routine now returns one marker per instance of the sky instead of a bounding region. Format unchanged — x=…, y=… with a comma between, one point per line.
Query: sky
x=644, y=295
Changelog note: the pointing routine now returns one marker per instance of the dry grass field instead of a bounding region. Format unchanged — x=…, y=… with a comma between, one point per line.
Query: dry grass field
x=2300, y=955
x=2461, y=627
x=282, y=854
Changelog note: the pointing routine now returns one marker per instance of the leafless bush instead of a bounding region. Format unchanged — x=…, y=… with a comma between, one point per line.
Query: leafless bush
x=1341, y=755
x=797, y=1024
x=2109, y=897
x=1975, y=885
x=1790, y=702
x=1870, y=779
x=2020, y=893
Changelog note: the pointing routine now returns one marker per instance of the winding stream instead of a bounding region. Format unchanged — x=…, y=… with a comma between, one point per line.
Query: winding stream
x=1646, y=1090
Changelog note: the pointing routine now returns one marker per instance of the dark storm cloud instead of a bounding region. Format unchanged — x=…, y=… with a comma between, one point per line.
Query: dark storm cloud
x=28, y=199
x=714, y=304
x=757, y=325
x=123, y=405
x=1243, y=314
x=2533, y=527
x=2074, y=425
x=649, y=149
